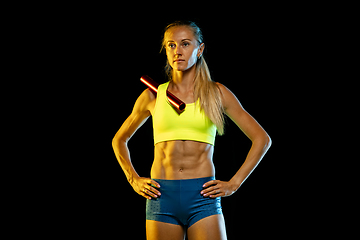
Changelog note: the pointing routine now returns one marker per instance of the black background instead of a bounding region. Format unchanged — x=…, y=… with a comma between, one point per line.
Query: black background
x=262, y=56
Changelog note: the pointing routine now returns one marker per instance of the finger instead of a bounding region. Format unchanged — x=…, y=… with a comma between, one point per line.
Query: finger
x=151, y=191
x=209, y=183
x=145, y=196
x=209, y=189
x=154, y=183
x=217, y=195
x=154, y=190
x=148, y=192
x=216, y=191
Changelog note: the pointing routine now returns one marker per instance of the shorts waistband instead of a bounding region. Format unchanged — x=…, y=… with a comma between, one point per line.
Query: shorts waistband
x=193, y=183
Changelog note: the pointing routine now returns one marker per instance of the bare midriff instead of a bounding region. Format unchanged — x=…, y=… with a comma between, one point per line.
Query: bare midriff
x=182, y=159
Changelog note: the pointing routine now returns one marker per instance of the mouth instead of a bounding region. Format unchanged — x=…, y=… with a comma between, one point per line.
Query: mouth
x=179, y=60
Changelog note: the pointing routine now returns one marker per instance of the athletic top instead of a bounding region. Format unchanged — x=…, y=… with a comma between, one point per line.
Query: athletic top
x=191, y=124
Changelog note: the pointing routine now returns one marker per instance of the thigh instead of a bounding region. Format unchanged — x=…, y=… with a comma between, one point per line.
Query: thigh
x=209, y=228
x=163, y=231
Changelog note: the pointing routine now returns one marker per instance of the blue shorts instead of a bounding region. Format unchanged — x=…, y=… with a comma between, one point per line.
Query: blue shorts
x=181, y=202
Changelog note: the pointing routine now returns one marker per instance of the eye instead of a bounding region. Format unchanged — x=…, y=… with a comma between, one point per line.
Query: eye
x=185, y=44
x=171, y=45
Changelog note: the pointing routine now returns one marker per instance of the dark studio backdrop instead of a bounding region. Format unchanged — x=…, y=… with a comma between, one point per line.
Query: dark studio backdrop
x=258, y=56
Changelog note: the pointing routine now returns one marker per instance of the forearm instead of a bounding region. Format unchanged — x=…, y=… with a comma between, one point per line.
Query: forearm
x=255, y=155
x=123, y=156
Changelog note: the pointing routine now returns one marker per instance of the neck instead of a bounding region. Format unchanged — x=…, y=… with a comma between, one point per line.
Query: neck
x=184, y=80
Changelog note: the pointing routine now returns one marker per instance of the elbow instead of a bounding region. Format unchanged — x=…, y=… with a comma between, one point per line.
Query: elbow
x=114, y=141
x=117, y=140
x=264, y=141
x=267, y=141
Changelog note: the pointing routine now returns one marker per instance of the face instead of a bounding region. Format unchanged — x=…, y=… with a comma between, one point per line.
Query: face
x=182, y=48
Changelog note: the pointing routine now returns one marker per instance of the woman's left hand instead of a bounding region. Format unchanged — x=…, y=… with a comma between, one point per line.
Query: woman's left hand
x=217, y=188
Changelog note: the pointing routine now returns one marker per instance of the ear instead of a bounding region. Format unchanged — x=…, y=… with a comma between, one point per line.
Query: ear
x=201, y=49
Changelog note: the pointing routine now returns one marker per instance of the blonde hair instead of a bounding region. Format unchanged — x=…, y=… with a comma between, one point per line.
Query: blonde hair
x=205, y=89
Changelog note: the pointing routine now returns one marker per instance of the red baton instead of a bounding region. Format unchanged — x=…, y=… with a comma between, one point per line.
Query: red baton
x=153, y=86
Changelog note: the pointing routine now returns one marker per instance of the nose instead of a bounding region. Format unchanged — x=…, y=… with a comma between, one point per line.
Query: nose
x=178, y=51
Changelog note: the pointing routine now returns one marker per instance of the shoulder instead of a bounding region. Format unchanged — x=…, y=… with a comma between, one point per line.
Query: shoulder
x=224, y=90
x=145, y=101
x=228, y=97
x=147, y=96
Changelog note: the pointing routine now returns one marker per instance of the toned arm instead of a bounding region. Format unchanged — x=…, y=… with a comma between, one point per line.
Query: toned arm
x=141, y=112
x=261, y=141
x=260, y=144
x=137, y=118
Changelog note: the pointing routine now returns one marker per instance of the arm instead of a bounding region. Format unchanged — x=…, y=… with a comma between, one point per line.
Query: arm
x=137, y=118
x=261, y=142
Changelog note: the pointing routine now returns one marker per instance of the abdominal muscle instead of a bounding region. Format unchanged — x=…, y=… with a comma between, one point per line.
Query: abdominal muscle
x=182, y=160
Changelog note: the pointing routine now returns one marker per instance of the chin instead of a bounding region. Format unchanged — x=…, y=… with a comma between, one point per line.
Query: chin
x=180, y=69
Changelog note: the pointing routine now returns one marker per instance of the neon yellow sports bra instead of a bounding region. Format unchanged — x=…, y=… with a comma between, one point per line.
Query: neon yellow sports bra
x=191, y=124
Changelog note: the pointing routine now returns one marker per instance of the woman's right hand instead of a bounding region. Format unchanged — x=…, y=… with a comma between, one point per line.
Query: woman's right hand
x=143, y=187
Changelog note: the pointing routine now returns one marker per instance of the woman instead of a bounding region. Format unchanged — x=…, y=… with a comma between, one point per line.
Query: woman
x=182, y=194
